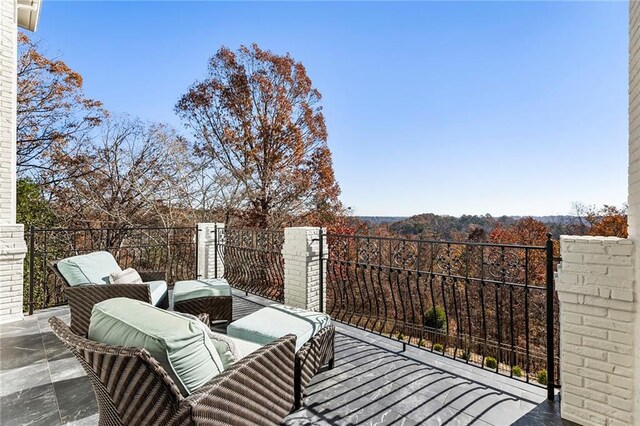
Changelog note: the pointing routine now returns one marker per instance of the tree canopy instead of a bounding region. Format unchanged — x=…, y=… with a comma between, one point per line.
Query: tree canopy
x=257, y=116
x=53, y=115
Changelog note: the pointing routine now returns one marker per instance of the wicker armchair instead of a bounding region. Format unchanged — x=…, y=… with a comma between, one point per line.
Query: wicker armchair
x=318, y=351
x=82, y=298
x=131, y=387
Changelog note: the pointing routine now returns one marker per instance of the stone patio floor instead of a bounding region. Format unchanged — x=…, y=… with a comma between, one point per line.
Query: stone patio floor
x=373, y=383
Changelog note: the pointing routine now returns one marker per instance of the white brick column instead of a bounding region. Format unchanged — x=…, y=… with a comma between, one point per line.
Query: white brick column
x=12, y=245
x=301, y=252
x=597, y=330
x=208, y=257
x=8, y=94
x=12, y=253
x=634, y=176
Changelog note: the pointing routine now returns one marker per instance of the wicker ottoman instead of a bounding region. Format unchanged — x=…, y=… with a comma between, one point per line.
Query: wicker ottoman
x=315, y=342
x=207, y=296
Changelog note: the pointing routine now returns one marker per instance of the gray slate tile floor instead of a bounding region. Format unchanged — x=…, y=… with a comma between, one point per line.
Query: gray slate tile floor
x=373, y=383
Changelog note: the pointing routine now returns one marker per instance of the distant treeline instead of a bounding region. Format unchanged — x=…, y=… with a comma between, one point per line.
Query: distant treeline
x=606, y=220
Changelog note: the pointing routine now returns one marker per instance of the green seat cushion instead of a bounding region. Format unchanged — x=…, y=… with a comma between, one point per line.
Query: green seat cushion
x=179, y=344
x=195, y=289
x=275, y=321
x=158, y=290
x=92, y=268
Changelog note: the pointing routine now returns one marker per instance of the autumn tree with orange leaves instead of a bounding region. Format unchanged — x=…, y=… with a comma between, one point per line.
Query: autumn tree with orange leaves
x=257, y=116
x=608, y=221
x=53, y=116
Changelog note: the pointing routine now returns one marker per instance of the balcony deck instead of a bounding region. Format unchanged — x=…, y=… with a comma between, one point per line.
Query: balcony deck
x=373, y=382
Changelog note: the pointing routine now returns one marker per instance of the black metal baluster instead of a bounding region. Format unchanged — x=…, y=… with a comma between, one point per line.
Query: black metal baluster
x=356, y=275
x=512, y=332
x=363, y=272
x=498, y=290
x=526, y=312
x=45, y=272
x=467, y=282
x=408, y=272
x=382, y=295
x=393, y=298
x=433, y=298
x=551, y=369
x=420, y=325
x=484, y=314
x=375, y=295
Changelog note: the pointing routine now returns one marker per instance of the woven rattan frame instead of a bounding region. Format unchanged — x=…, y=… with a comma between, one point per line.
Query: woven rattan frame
x=312, y=355
x=133, y=389
x=218, y=307
x=82, y=298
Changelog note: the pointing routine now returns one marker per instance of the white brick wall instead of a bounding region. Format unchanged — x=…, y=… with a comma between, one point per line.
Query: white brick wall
x=634, y=119
x=207, y=252
x=12, y=251
x=8, y=64
x=634, y=177
x=597, y=330
x=302, y=267
x=12, y=246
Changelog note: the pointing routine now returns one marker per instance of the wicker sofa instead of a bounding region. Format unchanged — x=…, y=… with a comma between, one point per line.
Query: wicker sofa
x=82, y=298
x=131, y=387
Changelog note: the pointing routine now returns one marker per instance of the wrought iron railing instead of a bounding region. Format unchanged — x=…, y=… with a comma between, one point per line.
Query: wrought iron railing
x=172, y=250
x=252, y=260
x=486, y=304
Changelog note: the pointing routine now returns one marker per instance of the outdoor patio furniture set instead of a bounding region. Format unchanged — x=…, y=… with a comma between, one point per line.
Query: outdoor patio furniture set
x=148, y=365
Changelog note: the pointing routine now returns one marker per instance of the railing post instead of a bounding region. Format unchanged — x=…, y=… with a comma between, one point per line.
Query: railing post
x=551, y=368
x=321, y=267
x=197, y=252
x=215, y=250
x=31, y=264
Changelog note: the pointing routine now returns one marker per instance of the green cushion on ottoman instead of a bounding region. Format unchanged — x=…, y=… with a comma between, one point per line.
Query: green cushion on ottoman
x=179, y=344
x=195, y=289
x=158, y=289
x=275, y=321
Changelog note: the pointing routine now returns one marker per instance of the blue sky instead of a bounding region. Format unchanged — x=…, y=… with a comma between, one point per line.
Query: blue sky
x=452, y=108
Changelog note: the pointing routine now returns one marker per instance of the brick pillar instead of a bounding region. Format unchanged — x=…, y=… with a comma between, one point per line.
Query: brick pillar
x=12, y=246
x=208, y=257
x=302, y=267
x=12, y=253
x=597, y=318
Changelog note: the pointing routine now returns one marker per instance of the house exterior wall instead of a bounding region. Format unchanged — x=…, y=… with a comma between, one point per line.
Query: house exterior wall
x=634, y=175
x=634, y=120
x=8, y=58
x=12, y=245
x=598, y=290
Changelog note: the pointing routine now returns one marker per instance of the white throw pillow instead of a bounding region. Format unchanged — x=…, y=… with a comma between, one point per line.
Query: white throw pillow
x=128, y=276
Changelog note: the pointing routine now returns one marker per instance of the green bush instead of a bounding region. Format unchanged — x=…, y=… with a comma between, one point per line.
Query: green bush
x=490, y=362
x=465, y=354
x=421, y=342
x=435, y=318
x=542, y=377
x=400, y=336
x=438, y=347
x=516, y=371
